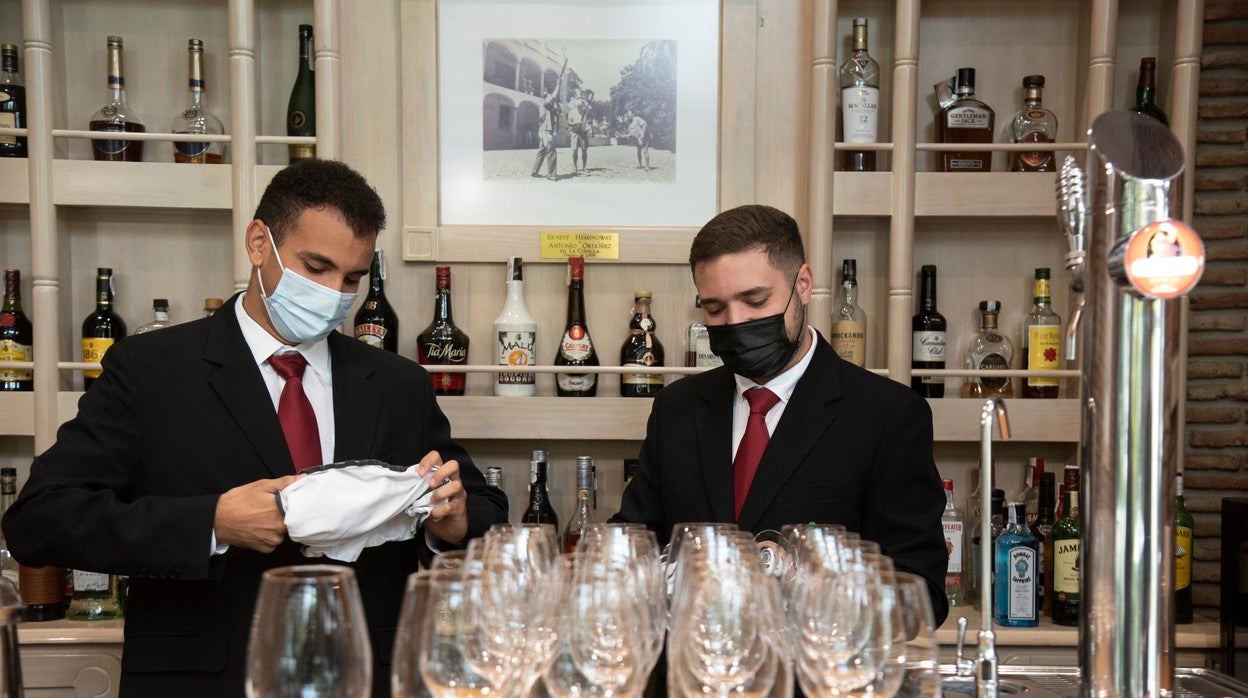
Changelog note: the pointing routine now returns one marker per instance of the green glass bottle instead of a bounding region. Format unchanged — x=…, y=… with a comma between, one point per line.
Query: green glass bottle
x=1183, y=525
x=301, y=110
x=1066, y=562
x=1146, y=91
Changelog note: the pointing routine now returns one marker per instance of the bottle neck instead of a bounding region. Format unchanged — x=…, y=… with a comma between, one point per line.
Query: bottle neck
x=515, y=292
x=442, y=305
x=305, y=54
x=116, y=83
x=850, y=288
x=1032, y=98
x=9, y=66
x=576, y=302
x=1041, y=296
x=12, y=292
x=104, y=293
x=927, y=297
x=860, y=38
x=1146, y=87
x=988, y=323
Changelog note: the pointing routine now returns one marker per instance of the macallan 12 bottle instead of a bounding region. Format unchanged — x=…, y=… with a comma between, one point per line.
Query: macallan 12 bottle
x=515, y=337
x=928, y=337
x=116, y=115
x=860, y=102
x=376, y=323
x=16, y=335
x=301, y=109
x=196, y=119
x=102, y=327
x=442, y=342
x=641, y=348
x=577, y=348
x=12, y=103
x=967, y=120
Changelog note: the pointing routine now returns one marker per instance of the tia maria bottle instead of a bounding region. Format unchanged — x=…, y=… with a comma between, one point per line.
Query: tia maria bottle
x=376, y=323
x=576, y=348
x=442, y=342
x=102, y=327
x=16, y=335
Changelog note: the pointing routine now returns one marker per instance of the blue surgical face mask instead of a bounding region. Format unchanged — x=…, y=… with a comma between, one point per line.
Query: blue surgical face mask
x=300, y=309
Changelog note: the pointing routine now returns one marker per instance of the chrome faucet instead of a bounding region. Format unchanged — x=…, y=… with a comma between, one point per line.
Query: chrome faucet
x=985, y=664
x=1072, y=216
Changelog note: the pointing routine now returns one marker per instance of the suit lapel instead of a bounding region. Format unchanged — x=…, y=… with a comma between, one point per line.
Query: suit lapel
x=714, y=438
x=810, y=412
x=357, y=403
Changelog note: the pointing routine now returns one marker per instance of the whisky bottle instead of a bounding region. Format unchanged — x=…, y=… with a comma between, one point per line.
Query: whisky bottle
x=988, y=350
x=196, y=119
x=928, y=338
x=1066, y=563
x=442, y=342
x=641, y=348
x=301, y=109
x=376, y=323
x=1183, y=525
x=102, y=327
x=583, y=517
x=1044, y=531
x=849, y=321
x=43, y=592
x=1070, y=483
x=1146, y=91
x=515, y=337
x=860, y=102
x=17, y=337
x=1017, y=557
x=967, y=120
x=116, y=115
x=97, y=596
x=576, y=348
x=9, y=568
x=1042, y=340
x=212, y=305
x=539, y=509
x=698, y=342
x=160, y=316
x=1033, y=124
x=12, y=103
x=954, y=526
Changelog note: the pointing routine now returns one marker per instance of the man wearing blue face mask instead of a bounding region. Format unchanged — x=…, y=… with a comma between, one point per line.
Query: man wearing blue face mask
x=169, y=471
x=786, y=432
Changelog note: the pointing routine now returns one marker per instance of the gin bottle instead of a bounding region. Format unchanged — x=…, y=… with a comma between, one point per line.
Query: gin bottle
x=1017, y=566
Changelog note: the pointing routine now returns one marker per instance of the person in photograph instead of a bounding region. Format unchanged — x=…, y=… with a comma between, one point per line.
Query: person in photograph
x=169, y=471
x=548, y=128
x=578, y=127
x=637, y=128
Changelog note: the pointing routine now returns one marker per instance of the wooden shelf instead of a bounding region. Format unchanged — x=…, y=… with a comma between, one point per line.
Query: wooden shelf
x=985, y=195
x=145, y=184
x=17, y=414
x=957, y=419
x=862, y=193
x=14, y=184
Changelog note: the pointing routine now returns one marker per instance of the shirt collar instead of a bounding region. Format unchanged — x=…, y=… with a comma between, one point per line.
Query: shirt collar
x=263, y=345
x=785, y=383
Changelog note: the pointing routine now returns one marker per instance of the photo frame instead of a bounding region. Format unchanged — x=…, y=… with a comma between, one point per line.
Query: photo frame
x=590, y=113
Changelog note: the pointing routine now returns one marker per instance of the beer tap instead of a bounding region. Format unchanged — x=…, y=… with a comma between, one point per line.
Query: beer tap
x=986, y=682
x=1072, y=216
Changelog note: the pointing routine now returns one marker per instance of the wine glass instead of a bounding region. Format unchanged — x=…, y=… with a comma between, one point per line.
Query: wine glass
x=461, y=650
x=405, y=678
x=308, y=635
x=837, y=618
x=922, y=676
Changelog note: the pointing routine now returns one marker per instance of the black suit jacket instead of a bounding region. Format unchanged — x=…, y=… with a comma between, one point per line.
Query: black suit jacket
x=178, y=417
x=851, y=448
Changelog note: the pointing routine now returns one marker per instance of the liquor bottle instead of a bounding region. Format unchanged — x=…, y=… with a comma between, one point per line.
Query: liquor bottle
x=160, y=317
x=116, y=115
x=97, y=596
x=698, y=342
x=1146, y=91
x=988, y=350
x=954, y=526
x=860, y=102
x=301, y=110
x=43, y=593
x=539, y=509
x=967, y=120
x=1070, y=482
x=996, y=524
x=12, y=103
x=928, y=337
x=1183, y=525
x=212, y=305
x=1033, y=124
x=1066, y=563
x=1017, y=564
x=102, y=327
x=196, y=119
x=8, y=493
x=577, y=348
x=1042, y=340
x=1029, y=495
x=16, y=336
x=494, y=476
x=376, y=323
x=515, y=333
x=849, y=321
x=1044, y=531
x=641, y=348
x=442, y=342
x=584, y=517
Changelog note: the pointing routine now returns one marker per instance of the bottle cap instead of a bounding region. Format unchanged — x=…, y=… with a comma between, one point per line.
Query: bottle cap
x=849, y=269
x=114, y=41
x=638, y=295
x=990, y=306
x=160, y=303
x=213, y=303
x=539, y=454
x=103, y=271
x=305, y=30
x=8, y=48
x=966, y=78
x=860, y=21
x=928, y=269
x=576, y=267
x=515, y=269
x=1042, y=272
x=1033, y=81
x=948, y=485
x=443, y=275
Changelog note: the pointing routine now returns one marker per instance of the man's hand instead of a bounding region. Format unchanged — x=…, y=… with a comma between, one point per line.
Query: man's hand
x=247, y=516
x=449, y=518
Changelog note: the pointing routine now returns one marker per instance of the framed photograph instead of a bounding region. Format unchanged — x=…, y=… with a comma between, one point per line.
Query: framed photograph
x=578, y=112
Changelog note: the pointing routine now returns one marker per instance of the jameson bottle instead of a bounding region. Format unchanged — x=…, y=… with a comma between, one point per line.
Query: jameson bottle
x=12, y=103
x=1066, y=563
x=1146, y=92
x=101, y=328
x=576, y=348
x=860, y=102
x=515, y=337
x=16, y=336
x=116, y=115
x=583, y=517
x=196, y=119
x=641, y=348
x=928, y=338
x=967, y=120
x=1033, y=124
x=1042, y=340
x=442, y=342
x=539, y=509
x=1183, y=525
x=1017, y=558
x=376, y=323
x=849, y=322
x=301, y=109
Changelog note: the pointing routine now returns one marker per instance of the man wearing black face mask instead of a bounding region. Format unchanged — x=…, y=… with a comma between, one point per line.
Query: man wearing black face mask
x=786, y=432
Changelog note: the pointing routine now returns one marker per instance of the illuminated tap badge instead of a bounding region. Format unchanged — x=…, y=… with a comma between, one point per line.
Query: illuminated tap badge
x=1164, y=259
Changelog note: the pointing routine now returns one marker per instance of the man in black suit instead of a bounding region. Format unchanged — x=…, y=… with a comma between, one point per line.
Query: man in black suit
x=169, y=471
x=845, y=446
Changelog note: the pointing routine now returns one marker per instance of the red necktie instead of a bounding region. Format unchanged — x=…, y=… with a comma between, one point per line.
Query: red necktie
x=753, y=443
x=295, y=412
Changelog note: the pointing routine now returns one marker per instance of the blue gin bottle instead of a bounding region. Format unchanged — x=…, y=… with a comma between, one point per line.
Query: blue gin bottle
x=1017, y=560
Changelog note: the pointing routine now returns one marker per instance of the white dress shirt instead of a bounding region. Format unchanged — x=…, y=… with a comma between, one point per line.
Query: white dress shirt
x=782, y=385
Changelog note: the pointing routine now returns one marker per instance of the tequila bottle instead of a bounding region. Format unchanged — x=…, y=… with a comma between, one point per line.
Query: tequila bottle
x=988, y=350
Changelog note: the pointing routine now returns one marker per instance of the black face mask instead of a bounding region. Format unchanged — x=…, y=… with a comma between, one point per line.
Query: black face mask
x=757, y=349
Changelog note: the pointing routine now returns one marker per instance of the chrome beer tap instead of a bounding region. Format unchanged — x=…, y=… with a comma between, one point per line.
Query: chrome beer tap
x=1072, y=216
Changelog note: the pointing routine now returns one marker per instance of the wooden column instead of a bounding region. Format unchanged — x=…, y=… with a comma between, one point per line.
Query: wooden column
x=901, y=225
x=243, y=108
x=823, y=117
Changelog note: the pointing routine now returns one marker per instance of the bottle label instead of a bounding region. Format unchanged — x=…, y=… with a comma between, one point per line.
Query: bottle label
x=12, y=351
x=41, y=585
x=371, y=334
x=953, y=545
x=576, y=382
x=1066, y=567
x=928, y=346
x=860, y=109
x=445, y=353
x=1035, y=159
x=703, y=356
x=849, y=341
x=1043, y=348
x=7, y=120
x=90, y=581
x=966, y=117
x=93, y=349
x=1182, y=557
x=956, y=164
x=645, y=358
x=576, y=345
x=1022, y=581
x=516, y=348
x=994, y=362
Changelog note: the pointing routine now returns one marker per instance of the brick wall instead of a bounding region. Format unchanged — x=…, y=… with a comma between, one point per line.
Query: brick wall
x=1217, y=388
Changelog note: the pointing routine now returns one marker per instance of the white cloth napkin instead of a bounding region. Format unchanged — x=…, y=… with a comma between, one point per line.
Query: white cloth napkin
x=337, y=510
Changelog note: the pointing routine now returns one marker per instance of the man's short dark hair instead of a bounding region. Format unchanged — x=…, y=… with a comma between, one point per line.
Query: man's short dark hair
x=749, y=227
x=321, y=184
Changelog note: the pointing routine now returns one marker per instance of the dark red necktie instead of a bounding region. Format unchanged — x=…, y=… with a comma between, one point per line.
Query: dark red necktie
x=753, y=443
x=295, y=412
